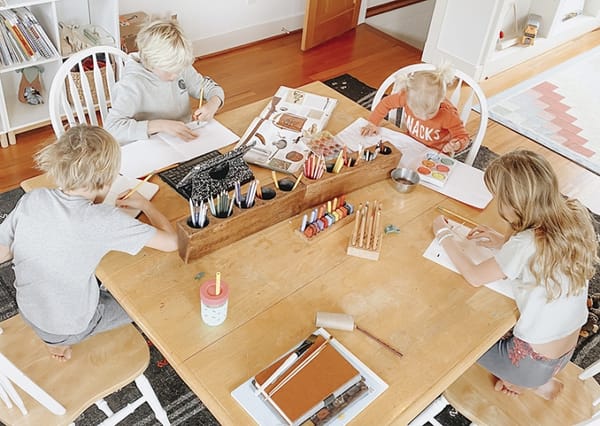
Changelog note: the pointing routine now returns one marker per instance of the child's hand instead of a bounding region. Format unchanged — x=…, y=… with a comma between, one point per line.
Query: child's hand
x=134, y=201
x=486, y=237
x=207, y=111
x=173, y=128
x=439, y=223
x=369, y=130
x=451, y=147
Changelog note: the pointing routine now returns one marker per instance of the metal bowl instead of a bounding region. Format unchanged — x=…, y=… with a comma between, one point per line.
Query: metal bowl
x=405, y=179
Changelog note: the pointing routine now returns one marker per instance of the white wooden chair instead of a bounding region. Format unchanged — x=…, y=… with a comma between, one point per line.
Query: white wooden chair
x=76, y=94
x=473, y=395
x=464, y=94
x=99, y=366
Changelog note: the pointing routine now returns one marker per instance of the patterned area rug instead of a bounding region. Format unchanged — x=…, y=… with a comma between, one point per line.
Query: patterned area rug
x=558, y=109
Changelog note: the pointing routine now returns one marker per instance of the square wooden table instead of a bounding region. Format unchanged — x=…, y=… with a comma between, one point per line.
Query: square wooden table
x=278, y=282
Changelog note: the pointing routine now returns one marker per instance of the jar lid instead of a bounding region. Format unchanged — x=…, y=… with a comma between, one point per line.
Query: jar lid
x=208, y=293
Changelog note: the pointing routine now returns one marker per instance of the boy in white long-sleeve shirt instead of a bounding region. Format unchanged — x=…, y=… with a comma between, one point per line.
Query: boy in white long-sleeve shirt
x=153, y=94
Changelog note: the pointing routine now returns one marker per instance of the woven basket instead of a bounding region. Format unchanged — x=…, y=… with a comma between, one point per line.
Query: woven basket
x=90, y=78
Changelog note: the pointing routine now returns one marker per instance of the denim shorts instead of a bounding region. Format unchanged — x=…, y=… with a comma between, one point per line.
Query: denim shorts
x=109, y=314
x=514, y=361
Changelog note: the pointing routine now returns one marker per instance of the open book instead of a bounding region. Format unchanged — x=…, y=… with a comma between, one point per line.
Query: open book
x=144, y=156
x=280, y=129
x=312, y=387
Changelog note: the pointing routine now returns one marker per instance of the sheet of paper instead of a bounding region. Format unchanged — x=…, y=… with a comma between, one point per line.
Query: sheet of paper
x=123, y=183
x=212, y=135
x=465, y=184
x=263, y=414
x=144, y=156
x=436, y=253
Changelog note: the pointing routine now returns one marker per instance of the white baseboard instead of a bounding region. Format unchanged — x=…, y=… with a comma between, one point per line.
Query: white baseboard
x=247, y=35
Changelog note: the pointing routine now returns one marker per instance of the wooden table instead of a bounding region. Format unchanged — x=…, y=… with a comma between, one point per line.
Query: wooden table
x=278, y=282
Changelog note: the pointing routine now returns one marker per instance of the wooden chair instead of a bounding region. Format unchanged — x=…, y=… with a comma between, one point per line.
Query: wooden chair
x=473, y=395
x=77, y=94
x=99, y=366
x=464, y=94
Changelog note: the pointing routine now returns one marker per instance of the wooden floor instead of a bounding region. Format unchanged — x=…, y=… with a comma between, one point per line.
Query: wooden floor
x=255, y=72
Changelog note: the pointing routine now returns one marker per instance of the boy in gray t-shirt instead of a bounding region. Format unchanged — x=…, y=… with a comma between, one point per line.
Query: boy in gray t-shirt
x=57, y=237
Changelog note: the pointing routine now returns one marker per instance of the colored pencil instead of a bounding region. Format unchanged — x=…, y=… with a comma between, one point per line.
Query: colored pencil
x=135, y=188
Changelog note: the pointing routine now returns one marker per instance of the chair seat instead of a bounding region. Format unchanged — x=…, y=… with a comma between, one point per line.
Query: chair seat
x=93, y=372
x=473, y=395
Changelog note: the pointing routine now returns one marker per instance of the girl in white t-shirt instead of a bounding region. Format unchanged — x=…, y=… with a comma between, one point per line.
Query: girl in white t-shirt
x=549, y=255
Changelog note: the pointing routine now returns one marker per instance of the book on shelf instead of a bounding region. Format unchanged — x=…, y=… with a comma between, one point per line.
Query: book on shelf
x=324, y=384
x=280, y=131
x=22, y=38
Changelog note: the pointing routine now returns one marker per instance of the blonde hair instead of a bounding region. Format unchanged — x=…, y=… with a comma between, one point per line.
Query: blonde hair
x=524, y=184
x=162, y=46
x=425, y=90
x=84, y=157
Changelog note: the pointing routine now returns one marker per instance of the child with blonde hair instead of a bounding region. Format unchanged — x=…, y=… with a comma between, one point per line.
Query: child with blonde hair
x=549, y=255
x=426, y=113
x=57, y=237
x=153, y=94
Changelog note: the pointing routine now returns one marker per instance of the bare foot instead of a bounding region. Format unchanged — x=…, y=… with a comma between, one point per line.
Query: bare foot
x=550, y=389
x=60, y=353
x=507, y=388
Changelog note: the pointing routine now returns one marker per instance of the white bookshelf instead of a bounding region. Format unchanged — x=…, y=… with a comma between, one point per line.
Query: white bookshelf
x=470, y=40
x=17, y=117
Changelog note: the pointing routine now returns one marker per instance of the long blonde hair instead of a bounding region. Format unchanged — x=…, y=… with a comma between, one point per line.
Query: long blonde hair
x=84, y=157
x=524, y=184
x=425, y=90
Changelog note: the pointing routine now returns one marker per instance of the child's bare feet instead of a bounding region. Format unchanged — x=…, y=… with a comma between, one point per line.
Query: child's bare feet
x=60, y=353
x=550, y=389
x=507, y=388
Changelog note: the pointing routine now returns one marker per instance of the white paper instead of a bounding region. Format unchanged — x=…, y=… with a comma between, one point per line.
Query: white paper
x=263, y=414
x=465, y=183
x=144, y=156
x=436, y=253
x=124, y=183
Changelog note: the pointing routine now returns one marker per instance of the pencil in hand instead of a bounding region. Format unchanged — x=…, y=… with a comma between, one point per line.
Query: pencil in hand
x=135, y=188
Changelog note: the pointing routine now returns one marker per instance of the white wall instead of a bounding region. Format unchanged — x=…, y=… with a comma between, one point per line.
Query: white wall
x=214, y=25
x=409, y=24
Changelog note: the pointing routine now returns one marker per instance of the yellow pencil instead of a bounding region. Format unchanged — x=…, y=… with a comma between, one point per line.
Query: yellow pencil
x=200, y=103
x=457, y=216
x=135, y=188
x=297, y=181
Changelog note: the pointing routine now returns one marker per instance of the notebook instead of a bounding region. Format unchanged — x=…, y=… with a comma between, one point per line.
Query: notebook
x=123, y=183
x=322, y=374
x=144, y=156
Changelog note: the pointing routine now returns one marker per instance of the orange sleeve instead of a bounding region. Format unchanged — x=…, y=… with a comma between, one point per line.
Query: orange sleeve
x=455, y=126
x=397, y=100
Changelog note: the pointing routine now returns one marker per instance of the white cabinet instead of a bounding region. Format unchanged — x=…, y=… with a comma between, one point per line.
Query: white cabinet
x=15, y=116
x=466, y=32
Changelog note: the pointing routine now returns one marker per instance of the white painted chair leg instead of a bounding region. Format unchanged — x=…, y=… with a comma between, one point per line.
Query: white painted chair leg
x=103, y=405
x=146, y=389
x=428, y=414
x=4, y=395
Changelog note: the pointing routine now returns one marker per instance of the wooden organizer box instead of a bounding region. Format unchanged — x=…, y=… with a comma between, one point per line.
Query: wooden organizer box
x=196, y=242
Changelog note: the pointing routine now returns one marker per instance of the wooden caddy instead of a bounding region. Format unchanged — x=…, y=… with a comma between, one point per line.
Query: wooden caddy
x=196, y=242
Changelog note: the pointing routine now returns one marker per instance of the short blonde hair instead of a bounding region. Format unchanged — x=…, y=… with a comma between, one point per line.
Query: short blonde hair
x=162, y=46
x=84, y=157
x=425, y=90
x=524, y=183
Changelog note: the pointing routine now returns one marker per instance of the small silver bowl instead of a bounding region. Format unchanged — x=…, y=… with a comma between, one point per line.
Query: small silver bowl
x=405, y=179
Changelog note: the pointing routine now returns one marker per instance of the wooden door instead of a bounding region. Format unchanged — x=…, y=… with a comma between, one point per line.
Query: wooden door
x=325, y=19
